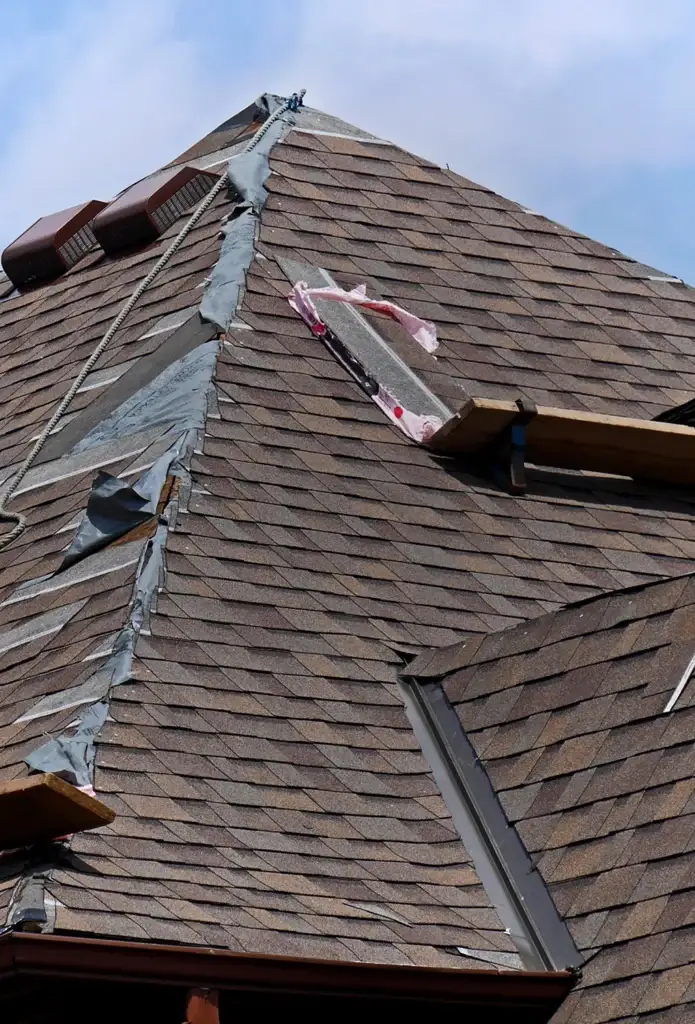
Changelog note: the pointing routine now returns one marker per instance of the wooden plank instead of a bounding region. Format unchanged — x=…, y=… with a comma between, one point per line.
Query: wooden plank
x=42, y=807
x=566, y=439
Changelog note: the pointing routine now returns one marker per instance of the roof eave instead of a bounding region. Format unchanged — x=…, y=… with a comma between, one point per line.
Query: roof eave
x=79, y=958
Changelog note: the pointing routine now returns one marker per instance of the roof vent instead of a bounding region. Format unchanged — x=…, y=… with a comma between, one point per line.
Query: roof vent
x=52, y=245
x=145, y=210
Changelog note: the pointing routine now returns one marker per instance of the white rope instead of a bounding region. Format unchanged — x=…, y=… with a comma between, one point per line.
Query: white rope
x=18, y=518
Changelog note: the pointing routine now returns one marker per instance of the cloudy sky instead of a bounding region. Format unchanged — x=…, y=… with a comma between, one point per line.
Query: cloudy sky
x=581, y=109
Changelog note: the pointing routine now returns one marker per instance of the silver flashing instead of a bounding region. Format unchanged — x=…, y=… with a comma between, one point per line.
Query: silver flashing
x=367, y=346
x=513, y=886
x=39, y=626
x=170, y=322
x=100, y=564
x=682, y=683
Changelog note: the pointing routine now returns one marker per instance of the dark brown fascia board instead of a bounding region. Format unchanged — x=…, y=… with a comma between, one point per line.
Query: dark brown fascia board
x=78, y=958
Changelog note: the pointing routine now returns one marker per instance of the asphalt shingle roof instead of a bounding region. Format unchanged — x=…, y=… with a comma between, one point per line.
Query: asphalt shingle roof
x=567, y=714
x=270, y=793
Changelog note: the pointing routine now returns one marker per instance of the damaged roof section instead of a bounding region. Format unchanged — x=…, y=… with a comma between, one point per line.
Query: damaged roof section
x=567, y=714
x=269, y=792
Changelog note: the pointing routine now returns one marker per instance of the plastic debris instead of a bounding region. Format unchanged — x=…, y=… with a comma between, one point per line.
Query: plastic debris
x=422, y=331
x=418, y=428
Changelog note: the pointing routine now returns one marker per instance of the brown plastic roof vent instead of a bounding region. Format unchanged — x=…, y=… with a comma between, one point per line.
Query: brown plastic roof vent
x=148, y=208
x=51, y=245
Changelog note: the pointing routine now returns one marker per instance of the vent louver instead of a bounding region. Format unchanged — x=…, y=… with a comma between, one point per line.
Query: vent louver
x=51, y=245
x=148, y=208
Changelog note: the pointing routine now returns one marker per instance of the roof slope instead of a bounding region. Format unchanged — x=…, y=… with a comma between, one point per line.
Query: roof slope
x=567, y=714
x=270, y=793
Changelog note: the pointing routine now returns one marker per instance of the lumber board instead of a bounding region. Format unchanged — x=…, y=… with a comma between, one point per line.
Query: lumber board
x=42, y=807
x=568, y=439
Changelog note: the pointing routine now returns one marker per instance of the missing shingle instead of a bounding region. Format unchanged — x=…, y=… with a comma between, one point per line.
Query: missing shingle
x=182, y=340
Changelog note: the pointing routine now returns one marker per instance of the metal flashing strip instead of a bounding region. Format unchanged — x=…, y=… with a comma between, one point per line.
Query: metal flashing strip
x=342, y=135
x=39, y=626
x=367, y=346
x=683, y=682
x=100, y=564
x=513, y=884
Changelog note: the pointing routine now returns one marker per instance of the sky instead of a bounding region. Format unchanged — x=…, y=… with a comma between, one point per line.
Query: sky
x=580, y=109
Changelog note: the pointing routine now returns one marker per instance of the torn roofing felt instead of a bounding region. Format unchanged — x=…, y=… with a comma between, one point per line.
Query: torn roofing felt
x=177, y=396
x=247, y=173
x=71, y=755
x=114, y=507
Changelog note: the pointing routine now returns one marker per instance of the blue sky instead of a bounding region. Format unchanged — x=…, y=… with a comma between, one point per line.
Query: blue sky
x=581, y=109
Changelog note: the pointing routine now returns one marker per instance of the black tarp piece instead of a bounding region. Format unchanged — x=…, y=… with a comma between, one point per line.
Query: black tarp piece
x=114, y=507
x=177, y=396
x=247, y=174
x=71, y=755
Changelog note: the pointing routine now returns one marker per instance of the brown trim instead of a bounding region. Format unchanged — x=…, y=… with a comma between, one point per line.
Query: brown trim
x=68, y=957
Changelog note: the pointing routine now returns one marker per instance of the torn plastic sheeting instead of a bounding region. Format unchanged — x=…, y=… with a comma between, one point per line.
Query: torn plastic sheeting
x=148, y=581
x=115, y=670
x=71, y=755
x=114, y=507
x=221, y=298
x=27, y=906
x=260, y=110
x=247, y=173
x=178, y=396
x=423, y=331
x=417, y=427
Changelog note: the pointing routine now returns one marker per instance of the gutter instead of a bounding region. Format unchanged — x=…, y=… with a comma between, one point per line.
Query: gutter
x=26, y=955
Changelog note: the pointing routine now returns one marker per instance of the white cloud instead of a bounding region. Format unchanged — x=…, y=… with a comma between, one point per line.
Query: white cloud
x=540, y=99
x=522, y=83
x=549, y=33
